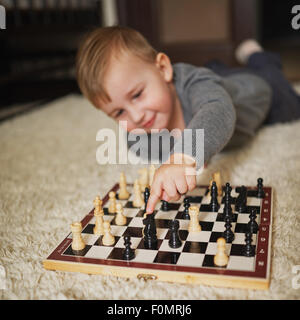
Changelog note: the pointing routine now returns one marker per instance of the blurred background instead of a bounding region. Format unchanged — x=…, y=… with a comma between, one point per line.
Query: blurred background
x=39, y=38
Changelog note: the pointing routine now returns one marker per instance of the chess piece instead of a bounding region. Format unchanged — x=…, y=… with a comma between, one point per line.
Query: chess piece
x=123, y=193
x=77, y=242
x=227, y=211
x=241, y=200
x=217, y=179
x=108, y=239
x=151, y=174
x=164, y=205
x=149, y=231
x=128, y=253
x=138, y=201
x=143, y=179
x=221, y=258
x=146, y=197
x=112, y=202
x=98, y=229
x=249, y=250
x=252, y=225
x=260, y=190
x=120, y=218
x=98, y=206
x=186, y=204
x=174, y=241
x=214, y=204
x=194, y=225
x=228, y=233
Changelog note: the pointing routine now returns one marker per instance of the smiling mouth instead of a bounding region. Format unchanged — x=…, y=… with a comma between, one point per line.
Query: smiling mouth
x=150, y=122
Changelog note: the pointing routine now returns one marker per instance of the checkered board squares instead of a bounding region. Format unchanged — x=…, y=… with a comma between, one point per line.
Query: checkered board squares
x=197, y=251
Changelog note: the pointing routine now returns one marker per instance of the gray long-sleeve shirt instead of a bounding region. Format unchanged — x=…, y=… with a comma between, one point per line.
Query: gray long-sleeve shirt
x=230, y=110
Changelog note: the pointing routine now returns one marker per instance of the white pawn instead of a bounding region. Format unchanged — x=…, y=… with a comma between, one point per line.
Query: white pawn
x=108, y=239
x=120, y=218
x=77, y=242
x=221, y=259
x=98, y=229
x=123, y=193
x=194, y=225
x=112, y=202
x=138, y=201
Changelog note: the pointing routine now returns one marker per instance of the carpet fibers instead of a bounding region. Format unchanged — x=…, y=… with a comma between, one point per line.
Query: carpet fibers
x=49, y=177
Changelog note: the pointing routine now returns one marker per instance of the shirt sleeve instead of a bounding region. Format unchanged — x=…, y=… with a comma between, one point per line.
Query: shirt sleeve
x=213, y=111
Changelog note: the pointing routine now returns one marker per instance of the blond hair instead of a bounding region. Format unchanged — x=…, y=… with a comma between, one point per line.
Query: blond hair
x=95, y=52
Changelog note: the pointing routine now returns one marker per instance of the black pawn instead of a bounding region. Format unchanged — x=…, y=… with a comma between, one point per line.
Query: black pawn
x=165, y=205
x=146, y=197
x=186, y=205
x=228, y=233
x=174, y=241
x=249, y=250
x=128, y=253
x=252, y=225
x=214, y=197
x=260, y=191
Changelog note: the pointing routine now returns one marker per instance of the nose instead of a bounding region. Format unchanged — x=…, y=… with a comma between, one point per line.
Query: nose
x=137, y=115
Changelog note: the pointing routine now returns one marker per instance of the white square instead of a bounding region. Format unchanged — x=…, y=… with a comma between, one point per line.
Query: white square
x=98, y=252
x=136, y=222
x=190, y=259
x=251, y=201
x=134, y=242
x=208, y=216
x=130, y=212
x=212, y=248
x=144, y=255
x=117, y=230
x=183, y=224
x=202, y=236
x=88, y=238
x=241, y=263
x=161, y=233
x=219, y=226
x=165, y=247
x=242, y=218
x=166, y=214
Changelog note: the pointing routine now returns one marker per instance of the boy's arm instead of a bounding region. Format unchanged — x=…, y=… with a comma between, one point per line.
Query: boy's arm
x=213, y=111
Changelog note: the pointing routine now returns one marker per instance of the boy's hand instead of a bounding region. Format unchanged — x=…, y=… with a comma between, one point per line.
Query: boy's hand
x=172, y=179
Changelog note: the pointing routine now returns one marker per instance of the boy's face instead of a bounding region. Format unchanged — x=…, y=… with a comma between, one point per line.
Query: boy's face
x=142, y=93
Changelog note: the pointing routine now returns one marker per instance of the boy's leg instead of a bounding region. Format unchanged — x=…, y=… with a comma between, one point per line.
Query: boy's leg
x=285, y=100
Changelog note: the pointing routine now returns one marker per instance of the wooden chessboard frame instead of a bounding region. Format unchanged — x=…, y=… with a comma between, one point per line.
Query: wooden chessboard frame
x=259, y=279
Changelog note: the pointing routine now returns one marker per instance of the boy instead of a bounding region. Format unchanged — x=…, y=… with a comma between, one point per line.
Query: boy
x=121, y=74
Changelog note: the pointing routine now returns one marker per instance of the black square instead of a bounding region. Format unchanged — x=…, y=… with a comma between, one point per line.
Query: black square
x=142, y=245
x=133, y=232
x=129, y=204
x=162, y=223
x=206, y=225
x=195, y=199
x=116, y=254
x=205, y=208
x=182, y=234
x=220, y=217
x=173, y=206
x=99, y=241
x=195, y=247
x=215, y=236
x=238, y=249
x=208, y=261
x=89, y=228
x=69, y=251
x=180, y=215
x=167, y=257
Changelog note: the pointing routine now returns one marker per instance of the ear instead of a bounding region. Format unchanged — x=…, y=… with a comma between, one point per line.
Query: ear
x=164, y=65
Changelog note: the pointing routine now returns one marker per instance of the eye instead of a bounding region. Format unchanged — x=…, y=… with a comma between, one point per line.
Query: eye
x=118, y=114
x=135, y=96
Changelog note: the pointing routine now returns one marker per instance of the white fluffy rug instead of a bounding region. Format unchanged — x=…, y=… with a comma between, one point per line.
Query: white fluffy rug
x=49, y=178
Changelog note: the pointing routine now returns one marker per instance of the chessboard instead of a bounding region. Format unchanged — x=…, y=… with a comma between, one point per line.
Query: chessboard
x=193, y=261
